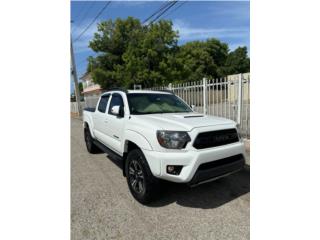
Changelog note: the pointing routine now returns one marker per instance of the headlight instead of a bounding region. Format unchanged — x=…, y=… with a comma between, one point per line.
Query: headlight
x=173, y=139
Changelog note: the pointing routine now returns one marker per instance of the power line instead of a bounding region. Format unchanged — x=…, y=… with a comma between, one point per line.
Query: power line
x=156, y=12
x=163, y=12
x=96, y=17
x=175, y=9
x=84, y=15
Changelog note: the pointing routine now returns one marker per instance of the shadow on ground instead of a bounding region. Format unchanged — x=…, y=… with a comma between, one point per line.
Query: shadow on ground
x=205, y=196
x=208, y=195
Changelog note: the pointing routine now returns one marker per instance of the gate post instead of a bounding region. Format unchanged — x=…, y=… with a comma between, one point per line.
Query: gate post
x=204, y=85
x=239, y=98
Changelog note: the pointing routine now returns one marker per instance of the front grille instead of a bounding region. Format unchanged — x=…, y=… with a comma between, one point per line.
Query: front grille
x=216, y=138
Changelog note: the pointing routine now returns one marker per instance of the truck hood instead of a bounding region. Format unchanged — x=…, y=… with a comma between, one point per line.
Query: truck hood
x=181, y=121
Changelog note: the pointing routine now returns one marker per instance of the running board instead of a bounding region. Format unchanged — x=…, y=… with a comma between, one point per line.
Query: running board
x=107, y=150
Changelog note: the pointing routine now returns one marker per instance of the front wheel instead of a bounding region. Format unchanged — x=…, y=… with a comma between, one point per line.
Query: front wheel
x=142, y=184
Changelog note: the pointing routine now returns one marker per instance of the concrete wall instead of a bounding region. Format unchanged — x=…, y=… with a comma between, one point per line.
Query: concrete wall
x=233, y=88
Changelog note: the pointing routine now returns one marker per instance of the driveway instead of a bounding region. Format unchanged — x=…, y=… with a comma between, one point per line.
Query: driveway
x=103, y=208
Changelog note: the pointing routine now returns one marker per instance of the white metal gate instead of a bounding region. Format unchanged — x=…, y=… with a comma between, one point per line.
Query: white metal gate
x=227, y=97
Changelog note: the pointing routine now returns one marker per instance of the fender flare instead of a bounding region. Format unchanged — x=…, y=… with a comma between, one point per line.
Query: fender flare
x=137, y=138
x=89, y=126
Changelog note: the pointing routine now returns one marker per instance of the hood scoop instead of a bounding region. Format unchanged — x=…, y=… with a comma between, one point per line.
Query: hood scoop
x=193, y=116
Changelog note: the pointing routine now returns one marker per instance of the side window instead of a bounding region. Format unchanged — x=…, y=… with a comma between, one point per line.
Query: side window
x=116, y=100
x=103, y=104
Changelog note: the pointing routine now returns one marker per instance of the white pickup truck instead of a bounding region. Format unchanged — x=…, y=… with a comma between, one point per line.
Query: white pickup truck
x=157, y=136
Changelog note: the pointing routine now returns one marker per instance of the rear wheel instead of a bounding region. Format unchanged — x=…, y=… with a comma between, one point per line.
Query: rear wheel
x=91, y=147
x=142, y=184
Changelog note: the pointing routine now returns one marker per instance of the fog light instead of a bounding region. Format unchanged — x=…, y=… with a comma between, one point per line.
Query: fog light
x=170, y=169
x=174, y=169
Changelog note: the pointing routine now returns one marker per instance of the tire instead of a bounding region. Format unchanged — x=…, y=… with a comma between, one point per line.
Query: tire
x=142, y=184
x=91, y=147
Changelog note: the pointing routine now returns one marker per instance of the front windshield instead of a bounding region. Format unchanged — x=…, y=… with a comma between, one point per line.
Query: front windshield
x=148, y=103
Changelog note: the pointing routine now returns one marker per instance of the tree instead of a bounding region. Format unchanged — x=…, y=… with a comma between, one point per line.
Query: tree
x=80, y=87
x=202, y=59
x=237, y=62
x=111, y=42
x=131, y=53
x=147, y=60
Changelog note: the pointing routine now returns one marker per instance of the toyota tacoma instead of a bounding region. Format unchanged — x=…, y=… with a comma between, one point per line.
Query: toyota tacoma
x=157, y=136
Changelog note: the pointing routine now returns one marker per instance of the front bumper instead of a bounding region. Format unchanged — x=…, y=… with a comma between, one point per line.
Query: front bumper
x=216, y=169
x=192, y=159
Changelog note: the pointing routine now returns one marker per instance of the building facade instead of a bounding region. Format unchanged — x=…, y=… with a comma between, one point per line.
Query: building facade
x=91, y=91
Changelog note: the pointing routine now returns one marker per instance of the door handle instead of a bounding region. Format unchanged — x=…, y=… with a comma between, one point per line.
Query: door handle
x=106, y=121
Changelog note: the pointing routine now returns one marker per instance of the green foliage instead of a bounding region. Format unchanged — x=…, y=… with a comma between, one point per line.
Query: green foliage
x=202, y=59
x=237, y=62
x=80, y=86
x=131, y=53
x=106, y=79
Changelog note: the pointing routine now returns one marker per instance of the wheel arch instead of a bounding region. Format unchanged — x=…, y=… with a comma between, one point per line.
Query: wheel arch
x=137, y=139
x=86, y=124
x=133, y=140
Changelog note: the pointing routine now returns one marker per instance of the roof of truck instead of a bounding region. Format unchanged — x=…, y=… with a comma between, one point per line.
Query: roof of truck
x=148, y=91
x=139, y=91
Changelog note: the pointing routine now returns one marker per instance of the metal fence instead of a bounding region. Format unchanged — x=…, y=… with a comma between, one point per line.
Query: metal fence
x=89, y=102
x=74, y=106
x=227, y=97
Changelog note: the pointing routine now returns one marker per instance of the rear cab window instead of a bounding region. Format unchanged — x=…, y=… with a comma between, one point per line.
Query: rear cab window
x=103, y=103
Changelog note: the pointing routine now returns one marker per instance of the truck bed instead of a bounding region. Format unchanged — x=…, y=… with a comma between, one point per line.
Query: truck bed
x=89, y=109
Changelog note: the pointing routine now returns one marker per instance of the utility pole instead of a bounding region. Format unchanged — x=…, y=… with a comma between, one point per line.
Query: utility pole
x=75, y=78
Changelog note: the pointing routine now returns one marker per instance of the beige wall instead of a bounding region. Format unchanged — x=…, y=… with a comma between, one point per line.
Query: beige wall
x=233, y=89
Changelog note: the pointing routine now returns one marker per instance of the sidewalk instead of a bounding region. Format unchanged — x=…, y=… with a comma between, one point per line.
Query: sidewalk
x=75, y=116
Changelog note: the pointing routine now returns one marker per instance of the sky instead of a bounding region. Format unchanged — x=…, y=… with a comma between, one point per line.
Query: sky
x=228, y=21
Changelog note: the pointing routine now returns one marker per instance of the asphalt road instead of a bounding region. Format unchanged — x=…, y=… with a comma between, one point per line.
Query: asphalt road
x=103, y=208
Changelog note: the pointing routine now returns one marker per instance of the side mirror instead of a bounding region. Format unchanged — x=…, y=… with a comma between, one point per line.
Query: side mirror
x=118, y=111
x=193, y=107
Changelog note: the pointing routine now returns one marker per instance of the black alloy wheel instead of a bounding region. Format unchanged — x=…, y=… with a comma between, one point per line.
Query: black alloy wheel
x=143, y=186
x=136, y=177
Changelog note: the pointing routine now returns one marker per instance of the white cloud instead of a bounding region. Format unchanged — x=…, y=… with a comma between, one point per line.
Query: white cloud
x=82, y=45
x=188, y=33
